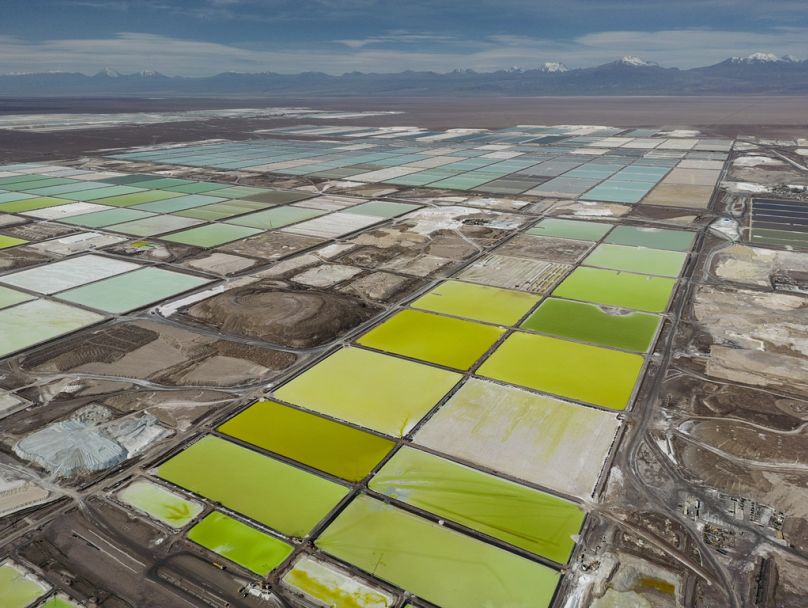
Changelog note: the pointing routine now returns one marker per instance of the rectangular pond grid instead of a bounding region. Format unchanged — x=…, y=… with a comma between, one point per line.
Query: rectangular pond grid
x=445, y=397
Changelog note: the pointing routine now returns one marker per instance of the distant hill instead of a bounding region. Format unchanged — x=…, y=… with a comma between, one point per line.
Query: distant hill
x=759, y=73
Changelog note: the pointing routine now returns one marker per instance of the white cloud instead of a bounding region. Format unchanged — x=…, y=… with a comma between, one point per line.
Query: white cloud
x=392, y=51
x=398, y=38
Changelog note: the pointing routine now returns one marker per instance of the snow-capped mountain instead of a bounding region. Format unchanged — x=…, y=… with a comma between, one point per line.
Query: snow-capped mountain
x=757, y=58
x=758, y=73
x=634, y=61
x=553, y=67
x=108, y=73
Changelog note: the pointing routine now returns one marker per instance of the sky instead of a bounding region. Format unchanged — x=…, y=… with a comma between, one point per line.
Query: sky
x=203, y=37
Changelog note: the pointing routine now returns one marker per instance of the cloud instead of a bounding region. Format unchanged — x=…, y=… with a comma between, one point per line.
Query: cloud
x=111, y=5
x=398, y=38
x=390, y=51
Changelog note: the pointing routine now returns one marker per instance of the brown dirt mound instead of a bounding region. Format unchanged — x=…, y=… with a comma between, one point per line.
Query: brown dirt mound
x=291, y=318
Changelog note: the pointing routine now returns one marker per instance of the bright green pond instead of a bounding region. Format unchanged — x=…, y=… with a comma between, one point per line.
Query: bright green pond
x=240, y=543
x=31, y=204
x=271, y=492
x=444, y=567
x=577, y=371
x=10, y=241
x=16, y=589
x=59, y=601
x=318, y=442
x=443, y=340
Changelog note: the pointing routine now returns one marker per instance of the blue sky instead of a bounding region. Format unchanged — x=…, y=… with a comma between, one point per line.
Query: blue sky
x=184, y=37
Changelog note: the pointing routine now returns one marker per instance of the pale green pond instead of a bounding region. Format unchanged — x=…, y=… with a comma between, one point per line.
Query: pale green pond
x=570, y=229
x=18, y=587
x=615, y=288
x=524, y=517
x=161, y=504
x=329, y=585
x=377, y=391
x=525, y=435
x=637, y=259
x=657, y=238
x=478, y=302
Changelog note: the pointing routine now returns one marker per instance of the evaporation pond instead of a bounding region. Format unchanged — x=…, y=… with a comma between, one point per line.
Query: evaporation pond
x=234, y=540
x=324, y=444
x=65, y=274
x=10, y=241
x=455, y=343
x=133, y=290
x=33, y=322
x=615, y=288
x=18, y=587
x=377, y=391
x=10, y=297
x=637, y=259
x=211, y=235
x=329, y=585
x=383, y=209
x=616, y=327
x=276, y=218
x=271, y=492
x=160, y=503
x=444, y=567
x=570, y=229
x=524, y=517
x=478, y=302
x=536, y=438
x=591, y=374
x=657, y=238
x=60, y=601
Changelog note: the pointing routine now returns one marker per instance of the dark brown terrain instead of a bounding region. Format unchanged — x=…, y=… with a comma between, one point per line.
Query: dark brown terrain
x=725, y=116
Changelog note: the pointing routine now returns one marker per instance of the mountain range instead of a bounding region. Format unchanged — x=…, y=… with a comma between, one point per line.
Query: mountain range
x=759, y=73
